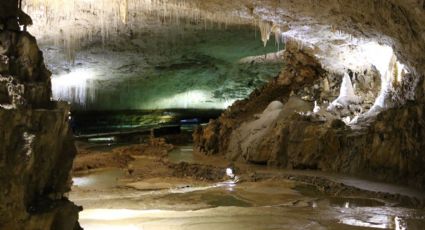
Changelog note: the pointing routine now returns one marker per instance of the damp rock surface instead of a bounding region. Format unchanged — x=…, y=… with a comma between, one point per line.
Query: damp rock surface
x=36, y=147
x=387, y=145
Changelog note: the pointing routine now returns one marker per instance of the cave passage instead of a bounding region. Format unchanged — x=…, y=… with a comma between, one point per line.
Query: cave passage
x=183, y=78
x=212, y=114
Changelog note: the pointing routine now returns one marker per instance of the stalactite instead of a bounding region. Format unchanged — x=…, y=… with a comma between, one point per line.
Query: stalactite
x=106, y=17
x=277, y=35
x=265, y=30
x=395, y=76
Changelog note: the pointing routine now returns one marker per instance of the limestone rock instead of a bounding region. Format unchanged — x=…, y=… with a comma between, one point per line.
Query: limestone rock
x=389, y=146
x=36, y=146
x=215, y=137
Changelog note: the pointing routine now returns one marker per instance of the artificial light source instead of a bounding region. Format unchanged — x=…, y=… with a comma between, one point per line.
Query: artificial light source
x=102, y=139
x=229, y=173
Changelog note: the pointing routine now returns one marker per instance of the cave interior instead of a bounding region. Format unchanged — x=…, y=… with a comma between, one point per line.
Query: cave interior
x=212, y=114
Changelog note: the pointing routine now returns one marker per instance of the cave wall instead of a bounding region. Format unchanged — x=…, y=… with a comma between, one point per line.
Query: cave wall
x=162, y=68
x=391, y=147
x=36, y=146
x=398, y=23
x=388, y=147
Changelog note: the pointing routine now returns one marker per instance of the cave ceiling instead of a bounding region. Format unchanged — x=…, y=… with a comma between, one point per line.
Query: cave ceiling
x=133, y=35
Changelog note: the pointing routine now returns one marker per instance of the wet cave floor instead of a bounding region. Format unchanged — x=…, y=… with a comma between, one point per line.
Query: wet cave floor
x=156, y=185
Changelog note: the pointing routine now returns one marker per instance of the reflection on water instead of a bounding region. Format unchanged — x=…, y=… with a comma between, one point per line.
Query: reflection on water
x=379, y=218
x=223, y=200
x=181, y=154
x=102, y=179
x=400, y=224
x=380, y=222
x=269, y=204
x=233, y=217
x=354, y=202
x=88, y=122
x=260, y=205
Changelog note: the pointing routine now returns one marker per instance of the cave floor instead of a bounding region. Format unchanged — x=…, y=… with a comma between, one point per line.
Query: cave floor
x=152, y=193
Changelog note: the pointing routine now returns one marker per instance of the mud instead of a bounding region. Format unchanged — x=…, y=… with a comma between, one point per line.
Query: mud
x=92, y=157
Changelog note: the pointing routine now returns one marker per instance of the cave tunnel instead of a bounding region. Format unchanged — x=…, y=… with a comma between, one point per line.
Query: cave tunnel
x=212, y=114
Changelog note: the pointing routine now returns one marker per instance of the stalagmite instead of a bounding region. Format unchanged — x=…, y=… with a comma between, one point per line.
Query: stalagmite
x=316, y=108
x=346, y=94
x=347, y=90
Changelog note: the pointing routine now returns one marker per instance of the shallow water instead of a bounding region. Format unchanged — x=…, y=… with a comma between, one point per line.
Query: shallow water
x=181, y=154
x=101, y=179
x=172, y=203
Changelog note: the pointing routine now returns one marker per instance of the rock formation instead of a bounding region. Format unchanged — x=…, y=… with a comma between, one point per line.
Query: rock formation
x=36, y=146
x=368, y=119
x=388, y=146
x=301, y=70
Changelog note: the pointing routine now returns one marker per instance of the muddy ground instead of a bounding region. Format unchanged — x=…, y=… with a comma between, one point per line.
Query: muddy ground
x=152, y=161
x=158, y=185
x=149, y=163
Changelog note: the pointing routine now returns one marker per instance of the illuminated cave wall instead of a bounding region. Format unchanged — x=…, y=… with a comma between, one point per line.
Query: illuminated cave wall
x=144, y=23
x=150, y=54
x=171, y=68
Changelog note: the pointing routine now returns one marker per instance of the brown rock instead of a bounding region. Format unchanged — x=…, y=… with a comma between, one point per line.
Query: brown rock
x=36, y=146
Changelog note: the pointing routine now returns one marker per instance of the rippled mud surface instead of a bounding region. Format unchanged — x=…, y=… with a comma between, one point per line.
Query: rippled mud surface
x=113, y=199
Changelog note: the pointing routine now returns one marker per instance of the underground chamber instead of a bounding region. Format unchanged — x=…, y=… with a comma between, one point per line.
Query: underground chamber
x=146, y=114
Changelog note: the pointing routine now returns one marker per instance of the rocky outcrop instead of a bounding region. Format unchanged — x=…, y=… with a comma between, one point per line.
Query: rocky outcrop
x=286, y=131
x=36, y=146
x=301, y=70
x=389, y=149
